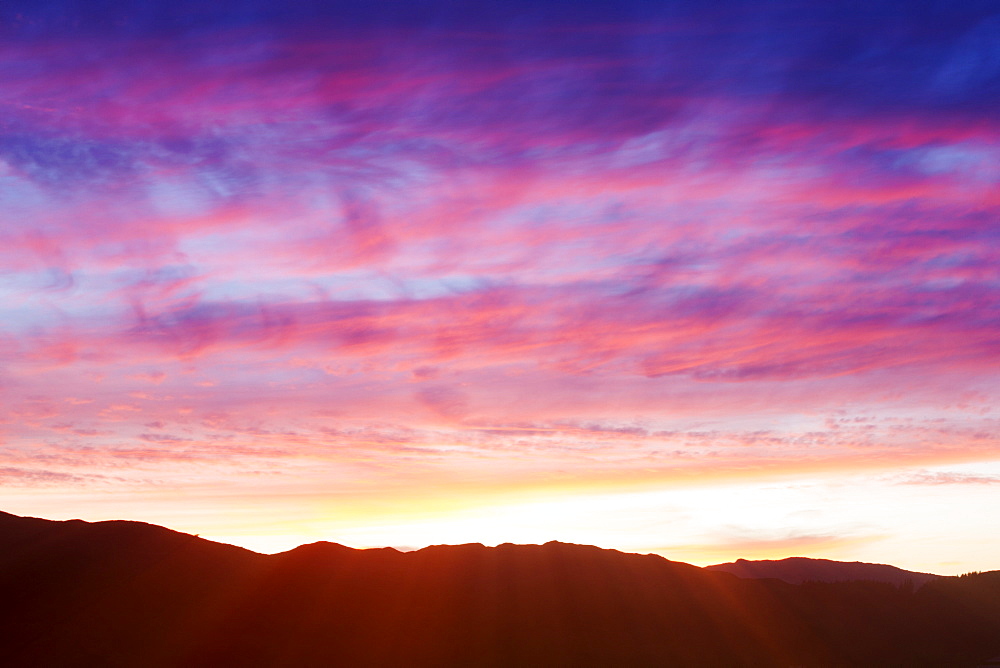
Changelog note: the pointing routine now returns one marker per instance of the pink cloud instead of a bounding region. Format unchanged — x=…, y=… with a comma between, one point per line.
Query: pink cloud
x=323, y=255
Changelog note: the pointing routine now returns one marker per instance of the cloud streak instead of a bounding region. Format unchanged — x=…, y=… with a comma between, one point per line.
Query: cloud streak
x=446, y=238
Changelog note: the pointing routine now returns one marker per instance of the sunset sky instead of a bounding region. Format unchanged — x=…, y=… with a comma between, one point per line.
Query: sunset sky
x=706, y=279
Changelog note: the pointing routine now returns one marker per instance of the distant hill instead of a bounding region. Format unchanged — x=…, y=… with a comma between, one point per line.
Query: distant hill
x=796, y=570
x=131, y=594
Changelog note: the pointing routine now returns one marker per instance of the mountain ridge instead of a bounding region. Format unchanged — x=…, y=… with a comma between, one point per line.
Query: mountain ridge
x=797, y=570
x=745, y=568
x=124, y=593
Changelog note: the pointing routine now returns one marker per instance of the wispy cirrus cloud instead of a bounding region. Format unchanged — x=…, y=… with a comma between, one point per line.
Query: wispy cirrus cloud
x=516, y=238
x=950, y=478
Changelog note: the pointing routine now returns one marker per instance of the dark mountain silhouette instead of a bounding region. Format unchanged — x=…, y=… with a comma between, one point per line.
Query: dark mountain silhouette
x=132, y=594
x=796, y=570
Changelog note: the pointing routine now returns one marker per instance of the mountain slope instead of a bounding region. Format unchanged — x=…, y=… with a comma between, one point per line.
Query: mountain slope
x=131, y=594
x=796, y=570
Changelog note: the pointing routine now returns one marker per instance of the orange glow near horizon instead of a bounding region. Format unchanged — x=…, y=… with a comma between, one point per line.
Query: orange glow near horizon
x=847, y=516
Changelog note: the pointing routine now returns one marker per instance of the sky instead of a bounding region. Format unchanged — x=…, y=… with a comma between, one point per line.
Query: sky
x=710, y=280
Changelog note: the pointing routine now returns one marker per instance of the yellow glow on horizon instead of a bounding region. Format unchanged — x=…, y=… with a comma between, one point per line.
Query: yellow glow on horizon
x=880, y=519
x=915, y=518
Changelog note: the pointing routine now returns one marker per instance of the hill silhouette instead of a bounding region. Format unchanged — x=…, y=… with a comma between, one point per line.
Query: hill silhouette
x=796, y=570
x=132, y=594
